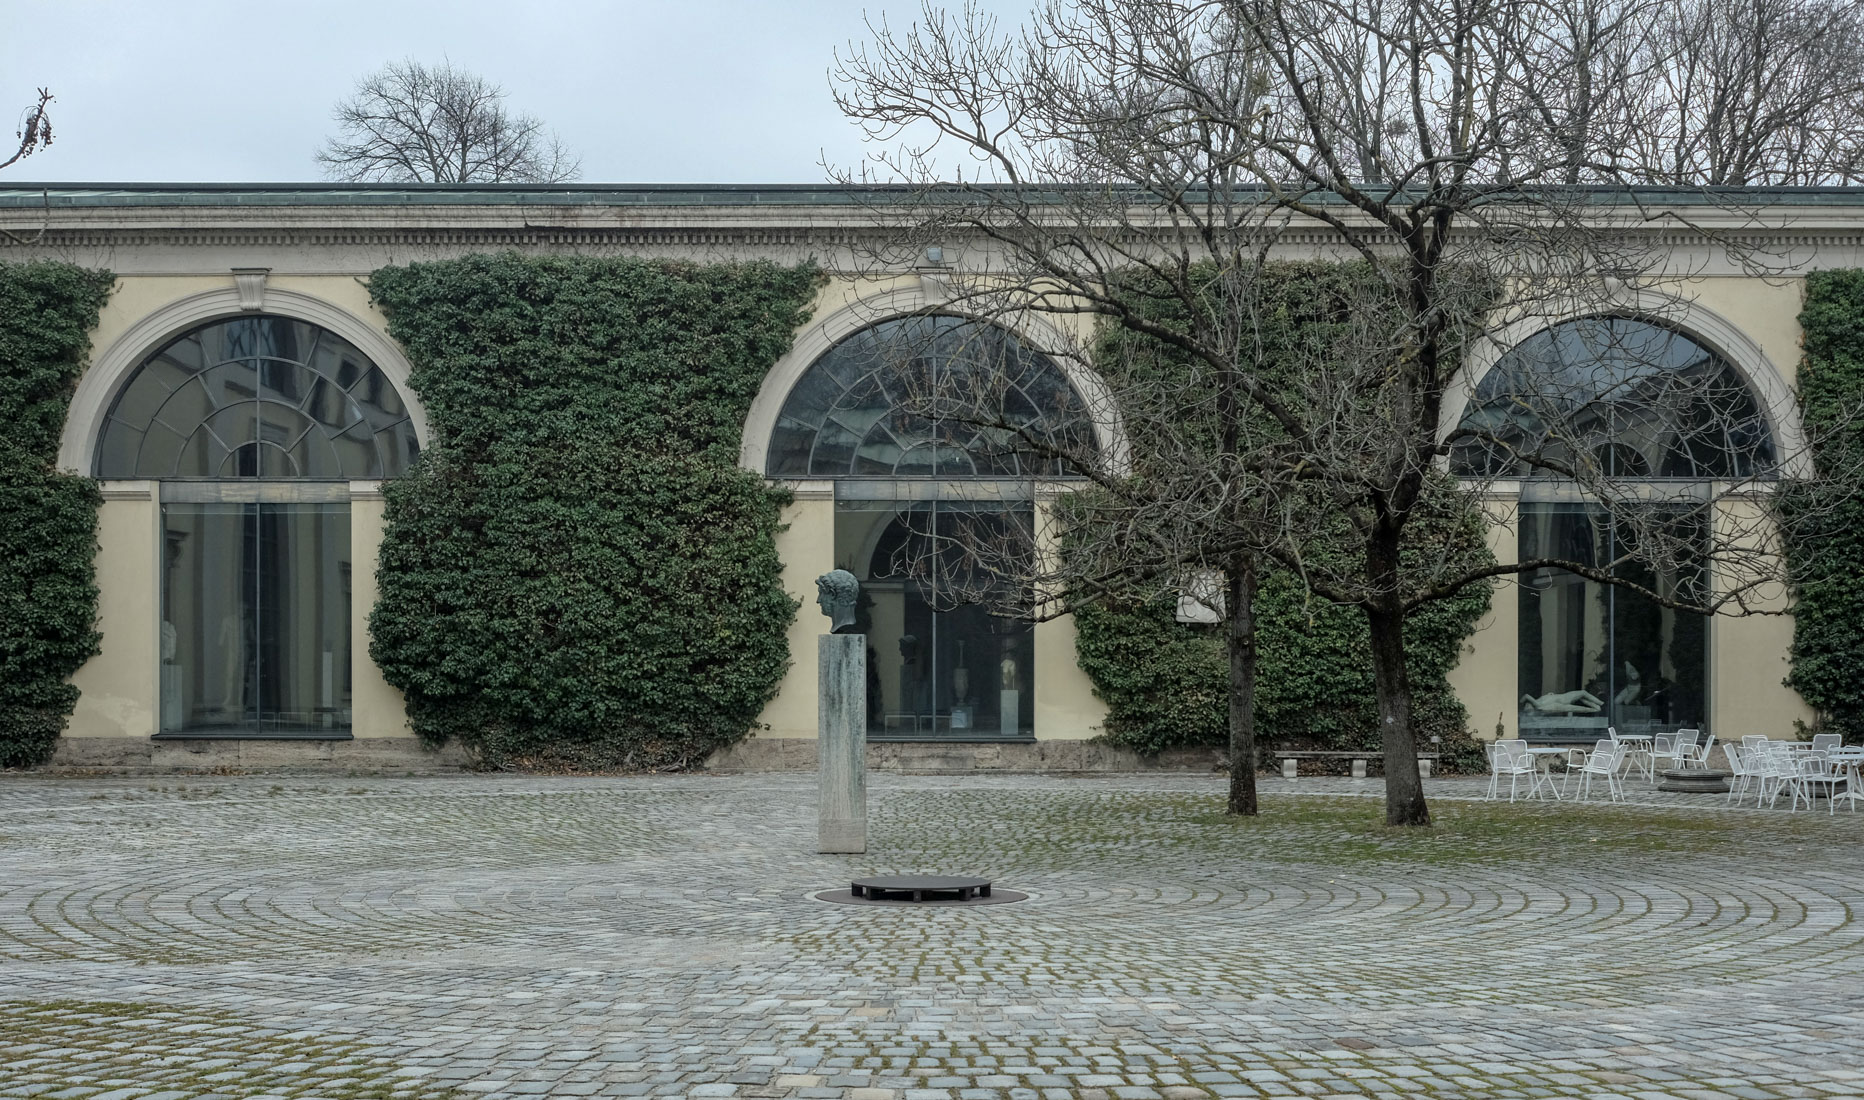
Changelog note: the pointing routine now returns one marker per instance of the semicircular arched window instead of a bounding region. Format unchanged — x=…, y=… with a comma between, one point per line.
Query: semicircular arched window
x=858, y=410
x=1619, y=397
x=257, y=397
x=1611, y=399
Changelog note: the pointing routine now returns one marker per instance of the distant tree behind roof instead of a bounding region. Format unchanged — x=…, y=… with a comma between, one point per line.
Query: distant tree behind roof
x=415, y=123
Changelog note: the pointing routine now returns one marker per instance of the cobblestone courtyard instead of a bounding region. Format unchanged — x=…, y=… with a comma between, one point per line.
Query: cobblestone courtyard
x=464, y=936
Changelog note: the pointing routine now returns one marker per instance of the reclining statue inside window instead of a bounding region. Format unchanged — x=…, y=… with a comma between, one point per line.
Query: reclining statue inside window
x=1565, y=702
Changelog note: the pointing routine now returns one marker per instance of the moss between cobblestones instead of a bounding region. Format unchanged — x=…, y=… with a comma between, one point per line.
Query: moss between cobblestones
x=92, y=1047
x=1342, y=830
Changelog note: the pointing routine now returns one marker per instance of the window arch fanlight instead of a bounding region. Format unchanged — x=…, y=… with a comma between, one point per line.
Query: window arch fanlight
x=1633, y=397
x=1629, y=399
x=257, y=396
x=849, y=415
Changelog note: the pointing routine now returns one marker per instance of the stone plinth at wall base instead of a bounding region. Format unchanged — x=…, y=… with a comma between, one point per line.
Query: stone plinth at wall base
x=773, y=754
x=138, y=755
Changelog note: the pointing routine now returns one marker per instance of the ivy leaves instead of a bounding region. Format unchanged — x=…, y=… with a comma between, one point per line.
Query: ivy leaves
x=48, y=520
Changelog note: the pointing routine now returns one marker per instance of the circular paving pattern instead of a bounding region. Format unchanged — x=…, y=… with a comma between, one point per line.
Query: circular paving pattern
x=572, y=936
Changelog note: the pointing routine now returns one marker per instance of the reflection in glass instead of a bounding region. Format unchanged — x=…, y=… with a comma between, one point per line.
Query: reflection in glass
x=1594, y=655
x=848, y=415
x=937, y=669
x=257, y=396
x=1622, y=398
x=255, y=618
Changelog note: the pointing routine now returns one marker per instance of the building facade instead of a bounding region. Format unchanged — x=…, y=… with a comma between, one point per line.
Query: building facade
x=244, y=402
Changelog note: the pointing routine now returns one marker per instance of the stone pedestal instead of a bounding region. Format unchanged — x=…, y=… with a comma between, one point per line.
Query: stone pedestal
x=841, y=743
x=1009, y=709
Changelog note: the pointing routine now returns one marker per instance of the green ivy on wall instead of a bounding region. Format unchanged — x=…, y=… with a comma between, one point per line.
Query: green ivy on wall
x=1828, y=611
x=48, y=520
x=577, y=572
x=1166, y=683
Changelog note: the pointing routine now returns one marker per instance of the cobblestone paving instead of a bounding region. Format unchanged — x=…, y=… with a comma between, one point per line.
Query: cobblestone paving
x=357, y=939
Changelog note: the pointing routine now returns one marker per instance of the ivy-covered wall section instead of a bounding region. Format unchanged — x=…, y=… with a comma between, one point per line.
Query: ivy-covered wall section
x=577, y=573
x=48, y=520
x=1166, y=683
x=1828, y=614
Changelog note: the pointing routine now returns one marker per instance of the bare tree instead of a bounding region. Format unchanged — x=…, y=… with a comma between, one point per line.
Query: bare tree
x=415, y=123
x=35, y=130
x=1137, y=161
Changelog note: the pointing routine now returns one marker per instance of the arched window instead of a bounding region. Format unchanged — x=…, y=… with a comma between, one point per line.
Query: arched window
x=1625, y=397
x=1629, y=400
x=855, y=412
x=257, y=397
x=912, y=490
x=254, y=425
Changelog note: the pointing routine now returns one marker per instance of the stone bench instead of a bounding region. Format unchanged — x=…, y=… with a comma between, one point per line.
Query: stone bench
x=1290, y=759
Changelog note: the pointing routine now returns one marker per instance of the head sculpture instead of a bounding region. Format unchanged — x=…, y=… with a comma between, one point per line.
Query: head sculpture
x=836, y=593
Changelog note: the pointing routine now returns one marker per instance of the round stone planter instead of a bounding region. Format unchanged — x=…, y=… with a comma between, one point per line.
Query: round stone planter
x=1694, y=781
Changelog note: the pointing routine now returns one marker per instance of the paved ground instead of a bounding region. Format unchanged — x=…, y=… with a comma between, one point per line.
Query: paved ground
x=244, y=937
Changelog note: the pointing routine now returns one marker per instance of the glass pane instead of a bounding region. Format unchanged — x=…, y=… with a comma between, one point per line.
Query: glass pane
x=853, y=402
x=1637, y=399
x=209, y=617
x=379, y=401
x=304, y=600
x=937, y=667
x=117, y=453
x=255, y=618
x=1594, y=655
x=259, y=380
x=397, y=448
x=330, y=406
x=191, y=406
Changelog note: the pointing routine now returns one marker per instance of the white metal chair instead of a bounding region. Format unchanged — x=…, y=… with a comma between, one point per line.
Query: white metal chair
x=1740, y=771
x=1775, y=770
x=1632, y=754
x=1676, y=750
x=1700, y=757
x=1854, y=788
x=1824, y=742
x=1510, y=758
x=1814, y=772
x=1603, y=760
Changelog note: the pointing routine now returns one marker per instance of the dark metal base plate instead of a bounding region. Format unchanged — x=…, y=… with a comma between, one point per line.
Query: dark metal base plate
x=921, y=888
x=947, y=900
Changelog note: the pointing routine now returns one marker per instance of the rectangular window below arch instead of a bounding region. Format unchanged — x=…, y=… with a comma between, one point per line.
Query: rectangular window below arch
x=255, y=619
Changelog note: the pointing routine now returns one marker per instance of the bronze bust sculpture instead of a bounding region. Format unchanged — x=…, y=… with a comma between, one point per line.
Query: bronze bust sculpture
x=836, y=593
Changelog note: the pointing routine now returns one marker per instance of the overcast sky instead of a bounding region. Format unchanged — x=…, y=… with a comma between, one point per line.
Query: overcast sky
x=648, y=91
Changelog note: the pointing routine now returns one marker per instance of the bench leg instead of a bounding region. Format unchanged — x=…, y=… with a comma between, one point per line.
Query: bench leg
x=1359, y=768
x=1288, y=769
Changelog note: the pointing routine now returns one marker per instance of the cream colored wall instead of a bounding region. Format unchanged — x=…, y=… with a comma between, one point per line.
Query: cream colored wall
x=1766, y=311
x=1749, y=655
x=378, y=709
x=117, y=688
x=1066, y=708
x=1485, y=679
x=807, y=550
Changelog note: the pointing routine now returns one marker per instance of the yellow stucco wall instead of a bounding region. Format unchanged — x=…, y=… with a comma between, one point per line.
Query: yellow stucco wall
x=117, y=688
x=807, y=549
x=120, y=686
x=378, y=709
x=1485, y=677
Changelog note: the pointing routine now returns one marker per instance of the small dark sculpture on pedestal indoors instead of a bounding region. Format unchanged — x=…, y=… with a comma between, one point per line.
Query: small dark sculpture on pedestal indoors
x=836, y=593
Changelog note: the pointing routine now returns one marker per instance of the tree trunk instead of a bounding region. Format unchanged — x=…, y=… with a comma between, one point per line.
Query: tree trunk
x=1404, y=788
x=1240, y=602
